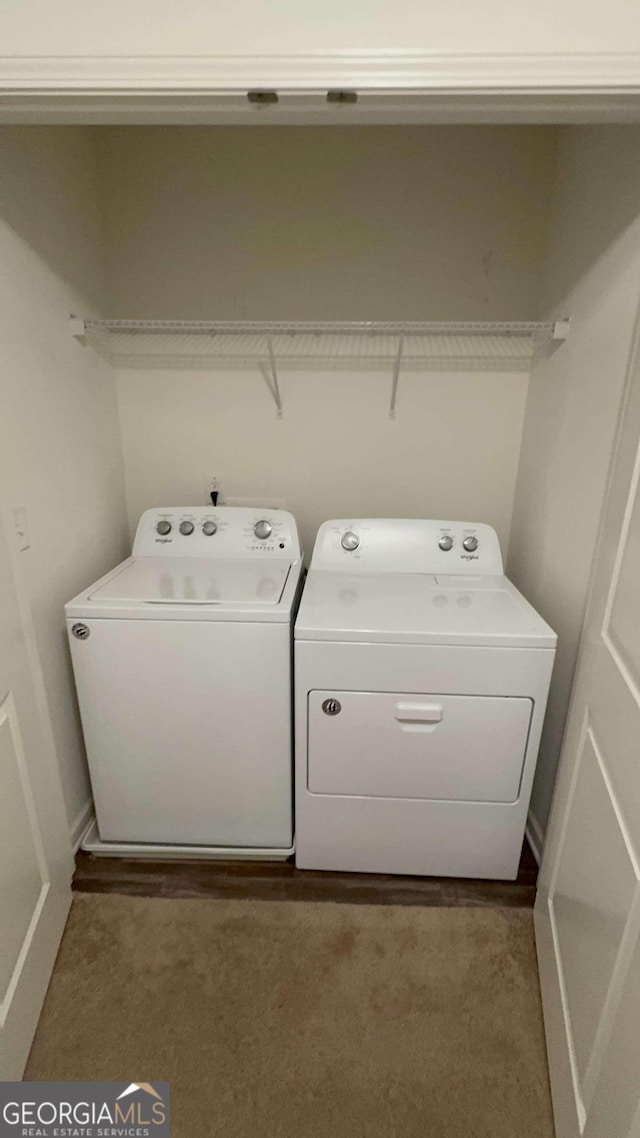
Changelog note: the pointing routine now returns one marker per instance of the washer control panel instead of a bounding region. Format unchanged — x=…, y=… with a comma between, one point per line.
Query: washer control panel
x=407, y=545
x=221, y=531
x=349, y=541
x=263, y=529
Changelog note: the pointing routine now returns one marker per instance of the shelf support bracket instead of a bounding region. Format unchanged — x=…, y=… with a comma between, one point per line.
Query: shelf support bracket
x=561, y=329
x=544, y=344
x=274, y=386
x=396, y=376
x=77, y=328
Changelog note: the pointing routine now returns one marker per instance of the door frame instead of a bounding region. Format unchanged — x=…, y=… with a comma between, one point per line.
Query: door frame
x=21, y=1003
x=569, y=1114
x=393, y=86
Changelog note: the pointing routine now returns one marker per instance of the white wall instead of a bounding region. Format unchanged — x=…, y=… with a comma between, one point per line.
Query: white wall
x=574, y=399
x=200, y=28
x=452, y=452
x=63, y=461
x=422, y=223
x=378, y=223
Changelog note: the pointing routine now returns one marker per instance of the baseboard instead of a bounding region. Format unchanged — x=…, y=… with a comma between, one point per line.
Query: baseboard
x=81, y=823
x=535, y=836
x=85, y=817
x=92, y=843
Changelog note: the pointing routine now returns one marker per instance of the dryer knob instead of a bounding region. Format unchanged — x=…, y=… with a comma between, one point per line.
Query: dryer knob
x=163, y=528
x=470, y=544
x=263, y=529
x=446, y=542
x=349, y=541
x=186, y=528
x=209, y=528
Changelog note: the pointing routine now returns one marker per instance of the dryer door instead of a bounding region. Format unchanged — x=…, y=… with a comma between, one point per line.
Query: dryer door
x=399, y=745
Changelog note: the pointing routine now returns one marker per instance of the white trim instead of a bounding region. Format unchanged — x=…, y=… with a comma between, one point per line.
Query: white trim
x=387, y=110
x=440, y=105
x=577, y=1102
x=387, y=70
x=393, y=87
x=93, y=844
x=81, y=825
x=23, y=955
x=535, y=836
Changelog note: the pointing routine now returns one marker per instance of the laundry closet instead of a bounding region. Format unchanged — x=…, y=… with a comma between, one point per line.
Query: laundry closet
x=395, y=320
x=505, y=414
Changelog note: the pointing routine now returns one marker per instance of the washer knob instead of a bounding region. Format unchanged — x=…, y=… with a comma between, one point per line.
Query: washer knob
x=349, y=541
x=470, y=544
x=263, y=529
x=446, y=542
x=209, y=528
x=186, y=528
x=163, y=528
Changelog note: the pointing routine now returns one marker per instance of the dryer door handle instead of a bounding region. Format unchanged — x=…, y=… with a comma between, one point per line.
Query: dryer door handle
x=419, y=712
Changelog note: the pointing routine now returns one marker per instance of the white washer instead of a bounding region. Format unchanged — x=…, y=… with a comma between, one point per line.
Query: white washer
x=182, y=661
x=421, y=679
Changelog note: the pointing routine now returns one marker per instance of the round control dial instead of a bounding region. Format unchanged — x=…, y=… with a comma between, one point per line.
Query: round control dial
x=163, y=528
x=349, y=541
x=446, y=542
x=263, y=529
x=209, y=528
x=470, y=544
x=186, y=528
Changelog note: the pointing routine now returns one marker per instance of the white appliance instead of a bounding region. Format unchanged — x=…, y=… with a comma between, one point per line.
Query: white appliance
x=182, y=661
x=421, y=679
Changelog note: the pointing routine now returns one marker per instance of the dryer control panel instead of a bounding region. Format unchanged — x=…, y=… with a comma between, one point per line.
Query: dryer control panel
x=220, y=531
x=407, y=545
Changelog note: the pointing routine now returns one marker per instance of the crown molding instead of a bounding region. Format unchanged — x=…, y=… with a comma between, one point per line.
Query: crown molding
x=374, y=70
x=393, y=87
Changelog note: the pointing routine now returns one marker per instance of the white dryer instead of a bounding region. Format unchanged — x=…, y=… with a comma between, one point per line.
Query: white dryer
x=421, y=679
x=182, y=662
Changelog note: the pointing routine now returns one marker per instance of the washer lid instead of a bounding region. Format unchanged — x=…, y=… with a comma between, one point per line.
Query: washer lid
x=417, y=608
x=169, y=581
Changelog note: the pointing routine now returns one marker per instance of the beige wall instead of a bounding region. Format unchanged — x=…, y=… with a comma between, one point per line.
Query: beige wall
x=322, y=223
x=422, y=223
x=574, y=399
x=62, y=454
x=452, y=451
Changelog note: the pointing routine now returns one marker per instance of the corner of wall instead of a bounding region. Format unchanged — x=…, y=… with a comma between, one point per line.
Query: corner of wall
x=60, y=402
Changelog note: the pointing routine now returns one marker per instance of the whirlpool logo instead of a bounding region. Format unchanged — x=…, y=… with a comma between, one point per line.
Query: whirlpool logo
x=84, y=1110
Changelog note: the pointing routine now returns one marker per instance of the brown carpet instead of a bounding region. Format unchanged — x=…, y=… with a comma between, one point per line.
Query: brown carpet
x=280, y=1020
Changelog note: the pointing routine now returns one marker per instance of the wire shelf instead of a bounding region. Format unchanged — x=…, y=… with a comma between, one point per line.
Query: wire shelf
x=274, y=345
